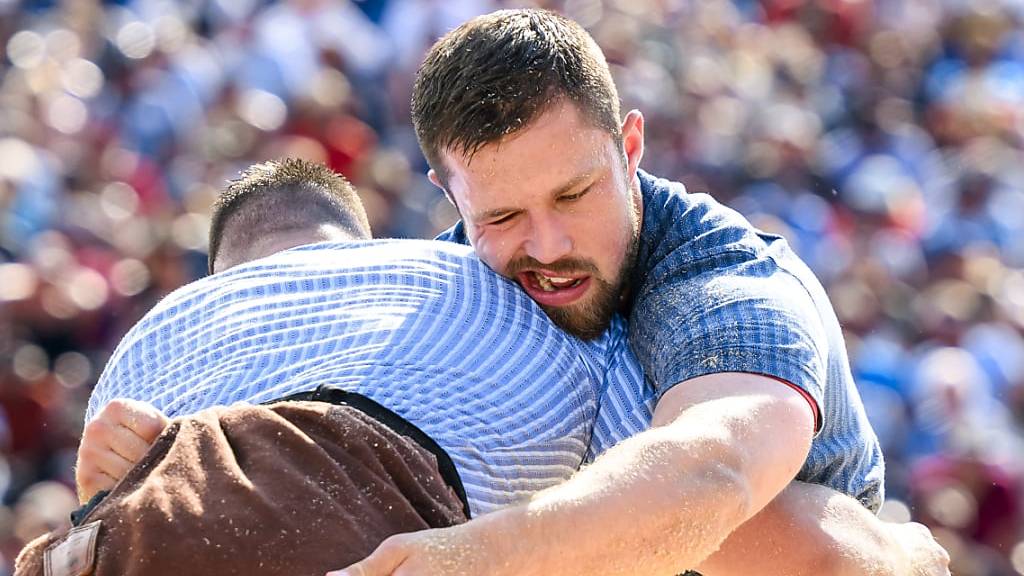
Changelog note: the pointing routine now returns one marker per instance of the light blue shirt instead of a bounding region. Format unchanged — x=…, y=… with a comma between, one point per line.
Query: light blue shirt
x=422, y=327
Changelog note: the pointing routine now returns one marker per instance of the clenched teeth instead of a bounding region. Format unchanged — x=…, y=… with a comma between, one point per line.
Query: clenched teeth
x=554, y=282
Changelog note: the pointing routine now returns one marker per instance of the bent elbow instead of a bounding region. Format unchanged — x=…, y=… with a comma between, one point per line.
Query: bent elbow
x=734, y=492
x=726, y=494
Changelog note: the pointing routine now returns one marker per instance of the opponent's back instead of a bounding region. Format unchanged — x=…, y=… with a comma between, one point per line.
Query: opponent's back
x=423, y=328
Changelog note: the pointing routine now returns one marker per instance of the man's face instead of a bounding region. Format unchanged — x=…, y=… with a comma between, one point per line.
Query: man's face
x=556, y=207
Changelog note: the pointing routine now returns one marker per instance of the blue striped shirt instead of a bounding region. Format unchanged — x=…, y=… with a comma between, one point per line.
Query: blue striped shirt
x=712, y=294
x=421, y=327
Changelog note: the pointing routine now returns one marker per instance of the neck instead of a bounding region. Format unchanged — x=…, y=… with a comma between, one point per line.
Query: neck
x=262, y=247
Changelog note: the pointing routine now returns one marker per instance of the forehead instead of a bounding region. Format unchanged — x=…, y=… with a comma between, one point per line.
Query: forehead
x=557, y=147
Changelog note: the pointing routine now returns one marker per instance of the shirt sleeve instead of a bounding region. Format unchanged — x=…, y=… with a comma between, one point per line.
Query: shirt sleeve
x=734, y=311
x=455, y=234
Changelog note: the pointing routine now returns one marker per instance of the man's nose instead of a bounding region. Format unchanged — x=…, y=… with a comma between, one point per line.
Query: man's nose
x=549, y=239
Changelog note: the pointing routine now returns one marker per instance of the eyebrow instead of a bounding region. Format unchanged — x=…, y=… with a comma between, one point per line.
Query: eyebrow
x=572, y=183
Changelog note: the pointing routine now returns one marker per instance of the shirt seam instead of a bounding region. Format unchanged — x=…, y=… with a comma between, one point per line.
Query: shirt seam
x=698, y=366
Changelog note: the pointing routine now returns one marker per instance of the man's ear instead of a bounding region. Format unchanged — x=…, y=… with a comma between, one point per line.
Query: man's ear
x=436, y=180
x=633, y=140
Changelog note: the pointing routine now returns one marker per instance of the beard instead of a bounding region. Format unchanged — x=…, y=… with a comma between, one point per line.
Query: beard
x=589, y=318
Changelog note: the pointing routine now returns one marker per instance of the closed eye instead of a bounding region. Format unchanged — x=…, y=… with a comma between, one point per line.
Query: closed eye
x=574, y=197
x=502, y=219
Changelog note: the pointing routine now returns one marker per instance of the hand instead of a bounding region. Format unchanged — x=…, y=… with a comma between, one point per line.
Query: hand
x=114, y=442
x=925, y=556
x=457, y=551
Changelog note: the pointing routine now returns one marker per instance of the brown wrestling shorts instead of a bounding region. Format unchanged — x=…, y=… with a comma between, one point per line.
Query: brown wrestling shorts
x=292, y=488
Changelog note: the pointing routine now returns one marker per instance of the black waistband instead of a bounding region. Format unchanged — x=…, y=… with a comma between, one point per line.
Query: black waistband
x=396, y=423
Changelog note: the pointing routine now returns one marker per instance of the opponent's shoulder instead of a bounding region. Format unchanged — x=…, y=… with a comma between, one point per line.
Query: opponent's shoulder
x=336, y=264
x=602, y=351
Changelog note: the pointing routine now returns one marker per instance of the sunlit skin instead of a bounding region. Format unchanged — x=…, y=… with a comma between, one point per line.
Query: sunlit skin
x=559, y=199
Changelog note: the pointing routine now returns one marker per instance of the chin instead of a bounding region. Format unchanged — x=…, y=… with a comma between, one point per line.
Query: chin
x=580, y=320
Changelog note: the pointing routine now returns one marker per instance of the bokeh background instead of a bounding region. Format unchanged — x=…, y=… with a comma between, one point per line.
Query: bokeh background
x=883, y=138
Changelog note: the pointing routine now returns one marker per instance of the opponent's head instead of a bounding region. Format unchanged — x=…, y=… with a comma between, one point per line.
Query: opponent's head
x=518, y=116
x=281, y=204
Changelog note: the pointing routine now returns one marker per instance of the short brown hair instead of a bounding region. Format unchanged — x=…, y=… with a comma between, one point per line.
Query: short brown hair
x=496, y=73
x=284, y=195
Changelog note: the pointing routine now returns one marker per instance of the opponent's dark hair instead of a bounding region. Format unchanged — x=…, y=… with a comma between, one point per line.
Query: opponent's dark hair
x=496, y=73
x=283, y=195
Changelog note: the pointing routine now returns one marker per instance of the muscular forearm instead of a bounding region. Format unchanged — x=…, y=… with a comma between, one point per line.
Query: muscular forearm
x=666, y=499
x=624, y=516
x=656, y=504
x=810, y=530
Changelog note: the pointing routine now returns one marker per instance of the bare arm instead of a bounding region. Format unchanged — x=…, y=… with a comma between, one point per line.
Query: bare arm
x=722, y=447
x=809, y=530
x=805, y=530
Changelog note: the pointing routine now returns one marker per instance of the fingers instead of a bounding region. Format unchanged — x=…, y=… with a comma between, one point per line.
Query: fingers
x=91, y=480
x=101, y=436
x=112, y=443
x=127, y=427
x=98, y=468
x=112, y=450
x=140, y=417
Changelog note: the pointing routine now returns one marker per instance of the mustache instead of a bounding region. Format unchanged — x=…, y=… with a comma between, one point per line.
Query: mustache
x=565, y=265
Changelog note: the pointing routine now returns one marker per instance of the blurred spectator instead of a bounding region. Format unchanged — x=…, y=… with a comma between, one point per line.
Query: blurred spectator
x=882, y=138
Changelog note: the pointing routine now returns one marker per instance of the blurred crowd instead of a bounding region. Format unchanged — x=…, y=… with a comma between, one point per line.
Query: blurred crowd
x=882, y=138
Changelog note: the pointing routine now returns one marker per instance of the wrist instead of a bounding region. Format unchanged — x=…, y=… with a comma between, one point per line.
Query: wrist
x=514, y=545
